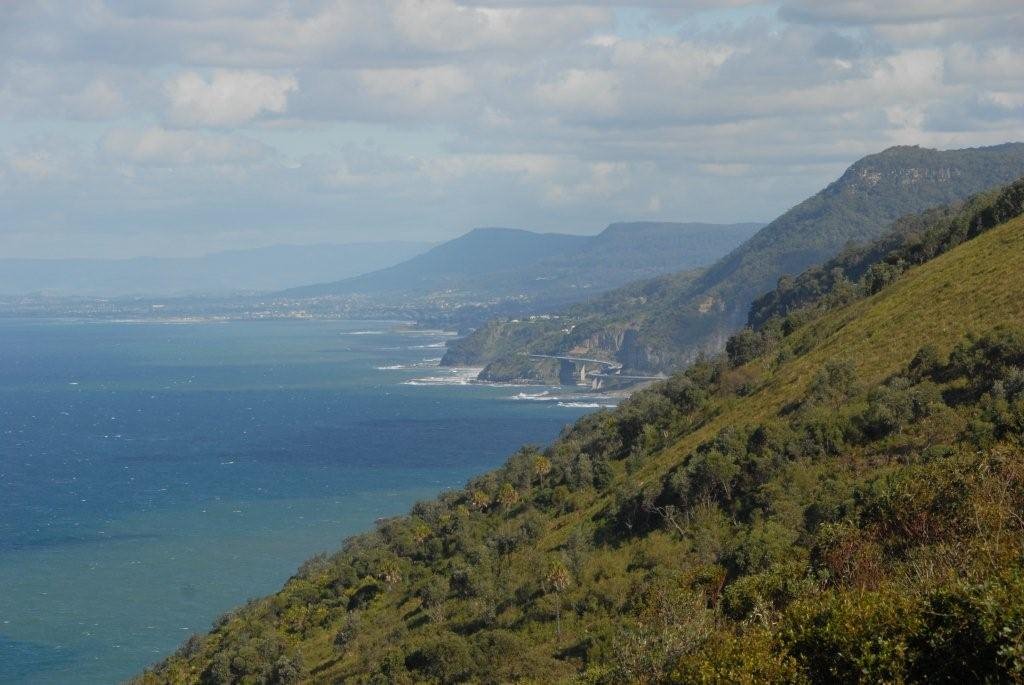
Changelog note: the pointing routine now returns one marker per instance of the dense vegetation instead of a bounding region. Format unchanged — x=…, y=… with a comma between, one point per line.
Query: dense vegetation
x=669, y=332
x=843, y=502
x=863, y=270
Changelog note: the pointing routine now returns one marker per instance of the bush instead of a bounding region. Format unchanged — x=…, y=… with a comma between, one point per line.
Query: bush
x=763, y=545
x=893, y=406
x=446, y=657
x=751, y=657
x=834, y=384
x=851, y=637
x=772, y=589
x=746, y=346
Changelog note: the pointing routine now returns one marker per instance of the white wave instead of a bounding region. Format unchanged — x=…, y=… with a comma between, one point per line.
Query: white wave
x=422, y=364
x=364, y=333
x=534, y=396
x=427, y=332
x=585, y=405
x=567, y=400
x=431, y=346
x=456, y=376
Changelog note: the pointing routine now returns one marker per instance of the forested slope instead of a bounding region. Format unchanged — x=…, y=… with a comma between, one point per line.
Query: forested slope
x=840, y=497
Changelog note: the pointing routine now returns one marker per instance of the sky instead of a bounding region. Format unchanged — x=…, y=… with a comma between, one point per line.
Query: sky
x=156, y=127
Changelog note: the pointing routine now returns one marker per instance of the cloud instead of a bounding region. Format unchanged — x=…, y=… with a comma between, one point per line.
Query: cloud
x=414, y=90
x=877, y=12
x=419, y=118
x=38, y=165
x=444, y=26
x=170, y=148
x=228, y=98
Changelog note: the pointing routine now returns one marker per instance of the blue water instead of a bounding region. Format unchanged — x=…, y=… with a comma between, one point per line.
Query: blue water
x=153, y=476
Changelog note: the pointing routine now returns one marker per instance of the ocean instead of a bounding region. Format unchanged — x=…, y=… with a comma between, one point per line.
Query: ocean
x=155, y=475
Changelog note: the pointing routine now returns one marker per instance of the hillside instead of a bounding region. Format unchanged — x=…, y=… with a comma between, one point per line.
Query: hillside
x=500, y=262
x=258, y=269
x=671, y=330
x=838, y=499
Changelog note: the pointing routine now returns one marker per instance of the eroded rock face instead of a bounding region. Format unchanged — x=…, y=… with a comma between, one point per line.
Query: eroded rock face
x=624, y=345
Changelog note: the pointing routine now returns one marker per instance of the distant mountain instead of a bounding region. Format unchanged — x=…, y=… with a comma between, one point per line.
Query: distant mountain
x=479, y=252
x=503, y=262
x=259, y=269
x=676, y=324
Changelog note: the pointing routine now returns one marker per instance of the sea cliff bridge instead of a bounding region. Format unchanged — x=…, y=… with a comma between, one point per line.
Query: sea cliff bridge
x=593, y=372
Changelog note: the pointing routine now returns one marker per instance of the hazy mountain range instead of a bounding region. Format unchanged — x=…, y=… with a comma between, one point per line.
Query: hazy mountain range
x=235, y=271
x=545, y=267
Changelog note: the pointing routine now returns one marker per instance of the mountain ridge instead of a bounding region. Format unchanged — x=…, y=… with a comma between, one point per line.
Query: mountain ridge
x=543, y=269
x=686, y=322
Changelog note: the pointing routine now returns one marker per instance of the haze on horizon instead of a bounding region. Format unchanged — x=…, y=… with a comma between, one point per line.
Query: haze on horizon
x=137, y=127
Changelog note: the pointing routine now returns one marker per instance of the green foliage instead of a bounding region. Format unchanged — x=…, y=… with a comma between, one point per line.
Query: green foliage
x=445, y=658
x=855, y=517
x=864, y=270
x=851, y=636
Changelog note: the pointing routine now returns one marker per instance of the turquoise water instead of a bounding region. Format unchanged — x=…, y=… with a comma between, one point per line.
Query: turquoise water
x=152, y=476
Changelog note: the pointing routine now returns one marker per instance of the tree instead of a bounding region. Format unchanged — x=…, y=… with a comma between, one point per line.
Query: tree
x=420, y=531
x=286, y=671
x=446, y=658
x=348, y=631
x=507, y=496
x=541, y=466
x=433, y=595
x=390, y=572
x=558, y=581
x=834, y=384
x=480, y=500
x=745, y=346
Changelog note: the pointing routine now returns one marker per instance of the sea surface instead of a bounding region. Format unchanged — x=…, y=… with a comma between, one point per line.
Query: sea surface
x=155, y=475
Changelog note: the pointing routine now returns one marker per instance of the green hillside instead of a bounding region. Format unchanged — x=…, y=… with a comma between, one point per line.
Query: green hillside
x=839, y=498
x=663, y=333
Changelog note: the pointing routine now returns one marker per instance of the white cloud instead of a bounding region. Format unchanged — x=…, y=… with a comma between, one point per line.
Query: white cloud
x=38, y=165
x=170, y=148
x=866, y=12
x=576, y=91
x=444, y=26
x=414, y=90
x=544, y=113
x=228, y=98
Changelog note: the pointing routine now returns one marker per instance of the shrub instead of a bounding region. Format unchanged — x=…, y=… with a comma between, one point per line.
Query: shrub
x=446, y=657
x=851, y=637
x=763, y=545
x=834, y=384
x=746, y=346
x=772, y=589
